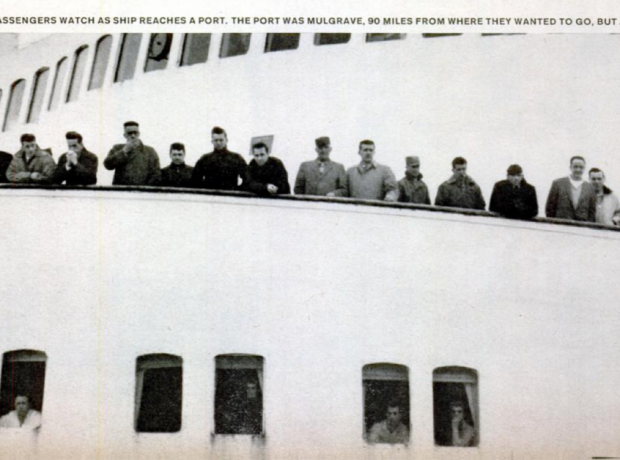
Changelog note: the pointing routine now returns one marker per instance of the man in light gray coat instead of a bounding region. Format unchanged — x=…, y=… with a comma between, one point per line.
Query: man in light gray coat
x=369, y=180
x=322, y=176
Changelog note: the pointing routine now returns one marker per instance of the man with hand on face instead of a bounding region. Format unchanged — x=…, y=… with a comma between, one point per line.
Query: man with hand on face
x=391, y=430
x=411, y=188
x=571, y=197
x=266, y=175
x=178, y=174
x=321, y=177
x=607, y=203
x=22, y=416
x=462, y=433
x=370, y=180
x=78, y=166
x=220, y=169
x=514, y=197
x=460, y=191
x=30, y=165
x=134, y=163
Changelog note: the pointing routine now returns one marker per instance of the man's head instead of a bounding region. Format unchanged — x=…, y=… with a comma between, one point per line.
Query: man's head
x=367, y=151
x=412, y=166
x=22, y=405
x=251, y=389
x=514, y=175
x=74, y=141
x=393, y=415
x=29, y=143
x=457, y=410
x=219, y=138
x=260, y=152
x=459, y=167
x=577, y=167
x=132, y=130
x=597, y=179
x=323, y=148
x=177, y=153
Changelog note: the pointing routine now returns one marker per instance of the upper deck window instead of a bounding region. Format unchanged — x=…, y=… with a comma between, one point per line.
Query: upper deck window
x=15, y=103
x=331, y=39
x=238, y=394
x=59, y=81
x=159, y=393
x=235, y=45
x=128, y=57
x=438, y=35
x=38, y=93
x=100, y=64
x=159, y=52
x=386, y=403
x=281, y=42
x=21, y=388
x=384, y=37
x=455, y=402
x=195, y=49
x=79, y=65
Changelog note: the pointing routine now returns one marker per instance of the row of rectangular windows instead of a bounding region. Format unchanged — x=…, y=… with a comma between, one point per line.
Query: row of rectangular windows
x=238, y=405
x=195, y=50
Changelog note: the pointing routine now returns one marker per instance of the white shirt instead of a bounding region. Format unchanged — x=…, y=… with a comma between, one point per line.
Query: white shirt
x=31, y=422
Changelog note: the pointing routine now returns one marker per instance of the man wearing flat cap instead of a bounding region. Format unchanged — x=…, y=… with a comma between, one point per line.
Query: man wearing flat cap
x=322, y=176
x=514, y=197
x=411, y=188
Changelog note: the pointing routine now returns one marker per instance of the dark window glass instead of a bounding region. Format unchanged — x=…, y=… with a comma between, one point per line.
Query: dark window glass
x=128, y=57
x=38, y=94
x=23, y=374
x=159, y=393
x=100, y=64
x=238, y=394
x=195, y=49
x=15, y=103
x=384, y=37
x=386, y=403
x=79, y=66
x=159, y=52
x=59, y=81
x=455, y=405
x=235, y=45
x=439, y=35
x=331, y=39
x=281, y=42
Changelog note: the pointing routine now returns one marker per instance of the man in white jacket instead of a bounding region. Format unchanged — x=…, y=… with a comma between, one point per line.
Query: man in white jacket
x=607, y=203
x=22, y=416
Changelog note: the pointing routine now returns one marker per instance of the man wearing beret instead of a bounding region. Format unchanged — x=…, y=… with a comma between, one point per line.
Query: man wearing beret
x=514, y=197
x=411, y=188
x=322, y=176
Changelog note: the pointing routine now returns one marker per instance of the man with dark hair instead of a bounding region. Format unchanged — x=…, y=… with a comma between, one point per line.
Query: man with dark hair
x=460, y=191
x=133, y=162
x=78, y=166
x=178, y=174
x=571, y=197
x=220, y=169
x=370, y=180
x=607, y=203
x=411, y=188
x=266, y=175
x=22, y=416
x=322, y=176
x=514, y=197
x=391, y=430
x=462, y=434
x=30, y=165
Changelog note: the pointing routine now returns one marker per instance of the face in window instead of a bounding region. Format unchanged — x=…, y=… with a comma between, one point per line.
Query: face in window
x=393, y=417
x=177, y=156
x=577, y=167
x=219, y=141
x=367, y=152
x=29, y=147
x=251, y=390
x=132, y=132
x=460, y=171
x=260, y=155
x=457, y=413
x=74, y=145
x=22, y=405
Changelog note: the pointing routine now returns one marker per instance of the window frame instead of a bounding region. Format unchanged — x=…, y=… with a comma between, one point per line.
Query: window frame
x=35, y=88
